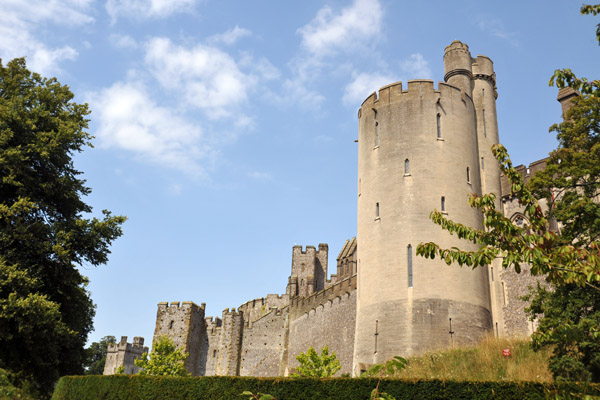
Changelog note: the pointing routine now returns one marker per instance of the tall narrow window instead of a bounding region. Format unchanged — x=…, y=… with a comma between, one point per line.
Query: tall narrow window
x=468, y=175
x=359, y=185
x=443, y=204
x=492, y=270
x=482, y=92
x=376, y=133
x=377, y=210
x=484, y=127
x=482, y=163
x=439, y=126
x=406, y=167
x=410, y=266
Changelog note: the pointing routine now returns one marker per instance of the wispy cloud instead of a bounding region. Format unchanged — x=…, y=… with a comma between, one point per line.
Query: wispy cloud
x=123, y=41
x=260, y=176
x=147, y=8
x=230, y=37
x=20, y=22
x=496, y=28
x=329, y=37
x=330, y=32
x=363, y=84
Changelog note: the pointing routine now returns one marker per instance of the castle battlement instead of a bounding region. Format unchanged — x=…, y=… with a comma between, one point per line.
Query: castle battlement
x=176, y=305
x=416, y=89
x=300, y=305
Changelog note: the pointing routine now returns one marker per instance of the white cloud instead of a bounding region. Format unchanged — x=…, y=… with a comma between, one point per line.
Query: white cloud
x=329, y=32
x=123, y=41
x=416, y=67
x=20, y=21
x=146, y=8
x=129, y=119
x=207, y=77
x=496, y=28
x=363, y=85
x=260, y=176
x=230, y=37
x=329, y=36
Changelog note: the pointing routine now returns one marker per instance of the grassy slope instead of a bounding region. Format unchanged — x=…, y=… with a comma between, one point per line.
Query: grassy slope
x=483, y=363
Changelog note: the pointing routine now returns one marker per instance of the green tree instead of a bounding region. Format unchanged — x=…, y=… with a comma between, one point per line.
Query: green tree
x=165, y=359
x=45, y=310
x=317, y=366
x=96, y=356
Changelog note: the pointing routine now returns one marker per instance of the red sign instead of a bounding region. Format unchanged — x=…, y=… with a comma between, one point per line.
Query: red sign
x=506, y=352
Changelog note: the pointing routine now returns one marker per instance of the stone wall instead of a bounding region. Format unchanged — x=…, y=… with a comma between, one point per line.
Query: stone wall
x=263, y=344
x=184, y=324
x=123, y=354
x=331, y=323
x=257, y=308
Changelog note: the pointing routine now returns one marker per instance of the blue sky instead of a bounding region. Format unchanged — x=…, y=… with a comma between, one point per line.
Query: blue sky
x=224, y=130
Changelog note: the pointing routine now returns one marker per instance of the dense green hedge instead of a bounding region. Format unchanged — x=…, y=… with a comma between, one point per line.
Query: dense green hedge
x=135, y=387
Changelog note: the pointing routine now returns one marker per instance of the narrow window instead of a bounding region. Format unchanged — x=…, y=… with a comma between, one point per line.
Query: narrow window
x=492, y=269
x=468, y=175
x=406, y=167
x=484, y=127
x=439, y=126
x=377, y=210
x=443, y=204
x=214, y=353
x=376, y=134
x=359, y=184
x=482, y=163
x=482, y=92
x=410, y=266
x=171, y=324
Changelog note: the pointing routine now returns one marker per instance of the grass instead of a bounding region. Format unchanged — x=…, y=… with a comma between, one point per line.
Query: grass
x=482, y=363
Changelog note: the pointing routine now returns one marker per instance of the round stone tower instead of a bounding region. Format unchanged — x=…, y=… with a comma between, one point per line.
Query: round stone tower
x=418, y=151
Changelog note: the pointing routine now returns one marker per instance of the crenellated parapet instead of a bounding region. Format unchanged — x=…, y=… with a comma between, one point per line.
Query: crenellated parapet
x=184, y=323
x=301, y=305
x=123, y=354
x=416, y=89
x=256, y=308
x=309, y=270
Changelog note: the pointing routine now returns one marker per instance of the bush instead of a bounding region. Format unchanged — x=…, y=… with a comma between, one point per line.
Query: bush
x=135, y=387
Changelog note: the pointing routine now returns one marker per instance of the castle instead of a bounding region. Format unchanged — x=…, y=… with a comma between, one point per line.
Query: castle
x=419, y=149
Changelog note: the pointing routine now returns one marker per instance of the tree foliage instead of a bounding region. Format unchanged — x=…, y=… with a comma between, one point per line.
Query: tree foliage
x=533, y=244
x=45, y=310
x=569, y=326
x=314, y=365
x=96, y=356
x=165, y=359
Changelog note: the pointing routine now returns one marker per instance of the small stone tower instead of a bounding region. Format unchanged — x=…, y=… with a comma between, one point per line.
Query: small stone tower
x=419, y=150
x=309, y=270
x=123, y=354
x=185, y=325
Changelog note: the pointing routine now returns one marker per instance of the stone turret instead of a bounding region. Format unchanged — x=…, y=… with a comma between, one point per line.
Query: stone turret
x=123, y=354
x=184, y=323
x=418, y=151
x=309, y=270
